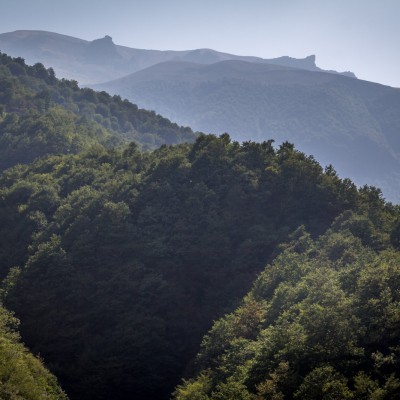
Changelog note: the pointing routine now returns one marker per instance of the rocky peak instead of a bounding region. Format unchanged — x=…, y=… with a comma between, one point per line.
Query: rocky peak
x=102, y=50
x=310, y=60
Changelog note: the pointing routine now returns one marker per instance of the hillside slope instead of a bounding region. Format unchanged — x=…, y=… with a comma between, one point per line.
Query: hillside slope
x=321, y=322
x=22, y=376
x=126, y=258
x=41, y=115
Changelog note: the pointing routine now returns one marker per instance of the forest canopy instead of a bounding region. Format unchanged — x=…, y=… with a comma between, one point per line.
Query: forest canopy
x=321, y=322
x=42, y=115
x=126, y=257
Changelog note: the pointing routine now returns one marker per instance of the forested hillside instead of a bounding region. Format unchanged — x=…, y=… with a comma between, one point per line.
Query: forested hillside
x=22, y=376
x=40, y=115
x=321, y=322
x=125, y=258
x=117, y=258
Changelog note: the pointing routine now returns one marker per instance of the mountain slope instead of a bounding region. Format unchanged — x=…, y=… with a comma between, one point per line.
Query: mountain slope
x=319, y=323
x=22, y=376
x=126, y=258
x=343, y=121
x=41, y=115
x=101, y=60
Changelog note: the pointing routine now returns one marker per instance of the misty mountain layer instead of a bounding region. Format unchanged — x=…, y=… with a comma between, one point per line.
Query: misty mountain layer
x=101, y=60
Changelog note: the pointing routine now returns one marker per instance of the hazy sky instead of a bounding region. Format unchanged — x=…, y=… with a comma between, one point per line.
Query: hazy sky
x=362, y=36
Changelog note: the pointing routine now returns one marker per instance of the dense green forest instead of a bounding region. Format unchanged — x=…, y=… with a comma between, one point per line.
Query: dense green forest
x=41, y=115
x=126, y=257
x=118, y=260
x=321, y=322
x=22, y=376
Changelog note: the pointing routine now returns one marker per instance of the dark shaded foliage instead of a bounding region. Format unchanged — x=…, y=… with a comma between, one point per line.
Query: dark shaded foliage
x=127, y=257
x=321, y=322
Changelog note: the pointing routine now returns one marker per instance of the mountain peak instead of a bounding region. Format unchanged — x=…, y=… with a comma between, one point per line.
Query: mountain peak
x=102, y=50
x=311, y=59
x=105, y=39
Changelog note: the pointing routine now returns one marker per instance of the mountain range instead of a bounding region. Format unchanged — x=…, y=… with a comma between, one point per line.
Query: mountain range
x=338, y=119
x=101, y=60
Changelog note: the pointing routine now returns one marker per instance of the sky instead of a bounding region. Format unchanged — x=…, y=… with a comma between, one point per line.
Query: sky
x=362, y=36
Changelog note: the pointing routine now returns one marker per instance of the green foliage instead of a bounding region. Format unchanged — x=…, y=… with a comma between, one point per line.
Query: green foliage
x=194, y=390
x=137, y=252
x=41, y=115
x=55, y=131
x=324, y=383
x=329, y=326
x=22, y=376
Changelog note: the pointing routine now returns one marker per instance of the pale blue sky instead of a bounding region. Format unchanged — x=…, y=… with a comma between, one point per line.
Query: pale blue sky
x=358, y=35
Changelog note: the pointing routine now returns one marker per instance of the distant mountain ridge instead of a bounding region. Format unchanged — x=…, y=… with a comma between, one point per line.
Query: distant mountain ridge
x=101, y=60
